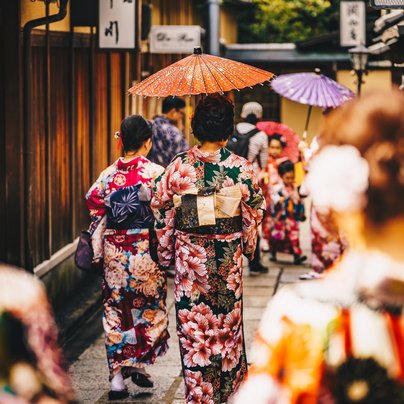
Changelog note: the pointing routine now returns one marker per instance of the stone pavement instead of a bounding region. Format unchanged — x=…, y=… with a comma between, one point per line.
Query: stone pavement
x=90, y=372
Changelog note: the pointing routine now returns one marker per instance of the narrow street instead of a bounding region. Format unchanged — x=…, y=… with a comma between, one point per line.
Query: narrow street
x=90, y=372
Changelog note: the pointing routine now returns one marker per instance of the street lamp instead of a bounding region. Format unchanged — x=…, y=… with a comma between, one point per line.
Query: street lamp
x=359, y=58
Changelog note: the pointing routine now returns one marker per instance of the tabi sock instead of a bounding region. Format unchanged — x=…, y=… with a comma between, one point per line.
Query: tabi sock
x=117, y=383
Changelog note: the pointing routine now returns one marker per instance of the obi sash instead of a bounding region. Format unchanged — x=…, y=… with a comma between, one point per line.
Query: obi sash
x=129, y=208
x=209, y=211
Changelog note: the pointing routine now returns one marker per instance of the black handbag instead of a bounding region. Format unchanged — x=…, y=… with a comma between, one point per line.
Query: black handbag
x=84, y=255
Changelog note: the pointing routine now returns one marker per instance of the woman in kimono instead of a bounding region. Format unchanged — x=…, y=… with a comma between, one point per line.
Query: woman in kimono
x=208, y=206
x=269, y=179
x=327, y=242
x=340, y=339
x=287, y=210
x=134, y=288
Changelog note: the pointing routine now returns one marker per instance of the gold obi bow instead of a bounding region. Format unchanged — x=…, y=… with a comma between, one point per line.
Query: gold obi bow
x=204, y=207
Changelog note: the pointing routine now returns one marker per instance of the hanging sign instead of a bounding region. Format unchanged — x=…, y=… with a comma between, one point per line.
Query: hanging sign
x=116, y=24
x=352, y=23
x=174, y=38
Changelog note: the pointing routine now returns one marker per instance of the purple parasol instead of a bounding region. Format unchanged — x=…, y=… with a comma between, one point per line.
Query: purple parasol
x=313, y=89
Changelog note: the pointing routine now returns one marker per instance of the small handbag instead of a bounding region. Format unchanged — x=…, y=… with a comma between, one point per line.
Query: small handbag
x=84, y=255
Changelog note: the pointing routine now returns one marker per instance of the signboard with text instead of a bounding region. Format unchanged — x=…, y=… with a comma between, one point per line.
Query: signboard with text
x=352, y=23
x=174, y=38
x=387, y=4
x=117, y=24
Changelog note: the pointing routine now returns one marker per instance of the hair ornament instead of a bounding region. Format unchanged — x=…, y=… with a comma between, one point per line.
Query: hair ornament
x=118, y=136
x=338, y=179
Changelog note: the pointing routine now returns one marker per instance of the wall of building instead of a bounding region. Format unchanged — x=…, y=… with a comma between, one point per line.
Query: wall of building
x=375, y=79
x=294, y=115
x=228, y=24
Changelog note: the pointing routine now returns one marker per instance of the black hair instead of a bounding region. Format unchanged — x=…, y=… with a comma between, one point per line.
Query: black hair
x=135, y=130
x=279, y=138
x=170, y=103
x=286, y=167
x=251, y=118
x=213, y=120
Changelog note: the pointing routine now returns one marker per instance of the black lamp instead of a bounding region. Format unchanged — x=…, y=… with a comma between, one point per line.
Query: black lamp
x=359, y=58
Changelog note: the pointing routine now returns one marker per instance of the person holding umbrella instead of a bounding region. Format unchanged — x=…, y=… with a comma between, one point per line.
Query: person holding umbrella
x=208, y=206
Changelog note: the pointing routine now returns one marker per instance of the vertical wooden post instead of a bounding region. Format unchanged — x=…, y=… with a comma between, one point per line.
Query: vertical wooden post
x=11, y=170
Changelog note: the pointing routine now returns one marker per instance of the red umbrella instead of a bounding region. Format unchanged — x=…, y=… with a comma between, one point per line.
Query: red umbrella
x=200, y=74
x=292, y=140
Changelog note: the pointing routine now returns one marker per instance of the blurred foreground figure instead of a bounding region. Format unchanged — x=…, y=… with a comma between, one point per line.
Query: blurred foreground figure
x=340, y=339
x=30, y=362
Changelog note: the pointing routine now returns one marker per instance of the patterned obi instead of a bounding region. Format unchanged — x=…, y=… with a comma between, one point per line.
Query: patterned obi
x=129, y=208
x=209, y=211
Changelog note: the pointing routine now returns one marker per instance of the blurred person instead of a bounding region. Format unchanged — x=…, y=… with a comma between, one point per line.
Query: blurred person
x=134, y=288
x=251, y=114
x=327, y=242
x=31, y=364
x=287, y=210
x=270, y=178
x=208, y=206
x=168, y=140
x=339, y=339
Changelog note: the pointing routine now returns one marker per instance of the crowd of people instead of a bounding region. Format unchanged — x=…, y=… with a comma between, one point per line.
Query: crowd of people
x=197, y=211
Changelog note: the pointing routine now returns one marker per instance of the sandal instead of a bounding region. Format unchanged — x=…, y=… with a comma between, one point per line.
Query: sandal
x=118, y=394
x=142, y=380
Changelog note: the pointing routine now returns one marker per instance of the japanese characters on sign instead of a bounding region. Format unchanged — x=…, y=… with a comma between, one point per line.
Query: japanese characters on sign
x=174, y=38
x=352, y=23
x=116, y=24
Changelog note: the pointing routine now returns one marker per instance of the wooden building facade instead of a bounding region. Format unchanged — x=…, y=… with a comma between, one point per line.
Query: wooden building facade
x=76, y=99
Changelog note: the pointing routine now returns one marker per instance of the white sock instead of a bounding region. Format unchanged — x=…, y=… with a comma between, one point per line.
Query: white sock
x=117, y=383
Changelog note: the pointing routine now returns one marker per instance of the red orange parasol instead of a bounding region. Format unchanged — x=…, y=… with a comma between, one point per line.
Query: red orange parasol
x=291, y=151
x=200, y=74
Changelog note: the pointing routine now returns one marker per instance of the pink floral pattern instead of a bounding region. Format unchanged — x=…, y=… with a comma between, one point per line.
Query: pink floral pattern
x=208, y=271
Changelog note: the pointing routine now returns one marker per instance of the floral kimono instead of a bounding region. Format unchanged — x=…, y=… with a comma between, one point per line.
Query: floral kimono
x=134, y=288
x=270, y=178
x=208, y=207
x=287, y=209
x=326, y=246
x=339, y=339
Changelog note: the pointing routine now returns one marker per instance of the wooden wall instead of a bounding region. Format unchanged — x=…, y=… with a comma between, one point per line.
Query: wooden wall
x=79, y=97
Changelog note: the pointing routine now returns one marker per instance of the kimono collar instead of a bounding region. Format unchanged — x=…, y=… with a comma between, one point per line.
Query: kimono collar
x=209, y=157
x=133, y=164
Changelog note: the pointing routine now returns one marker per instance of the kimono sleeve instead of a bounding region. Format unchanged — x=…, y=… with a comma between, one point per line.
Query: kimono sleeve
x=252, y=208
x=95, y=199
x=164, y=213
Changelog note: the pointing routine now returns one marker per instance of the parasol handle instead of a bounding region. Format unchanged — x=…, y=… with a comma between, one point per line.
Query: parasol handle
x=307, y=122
